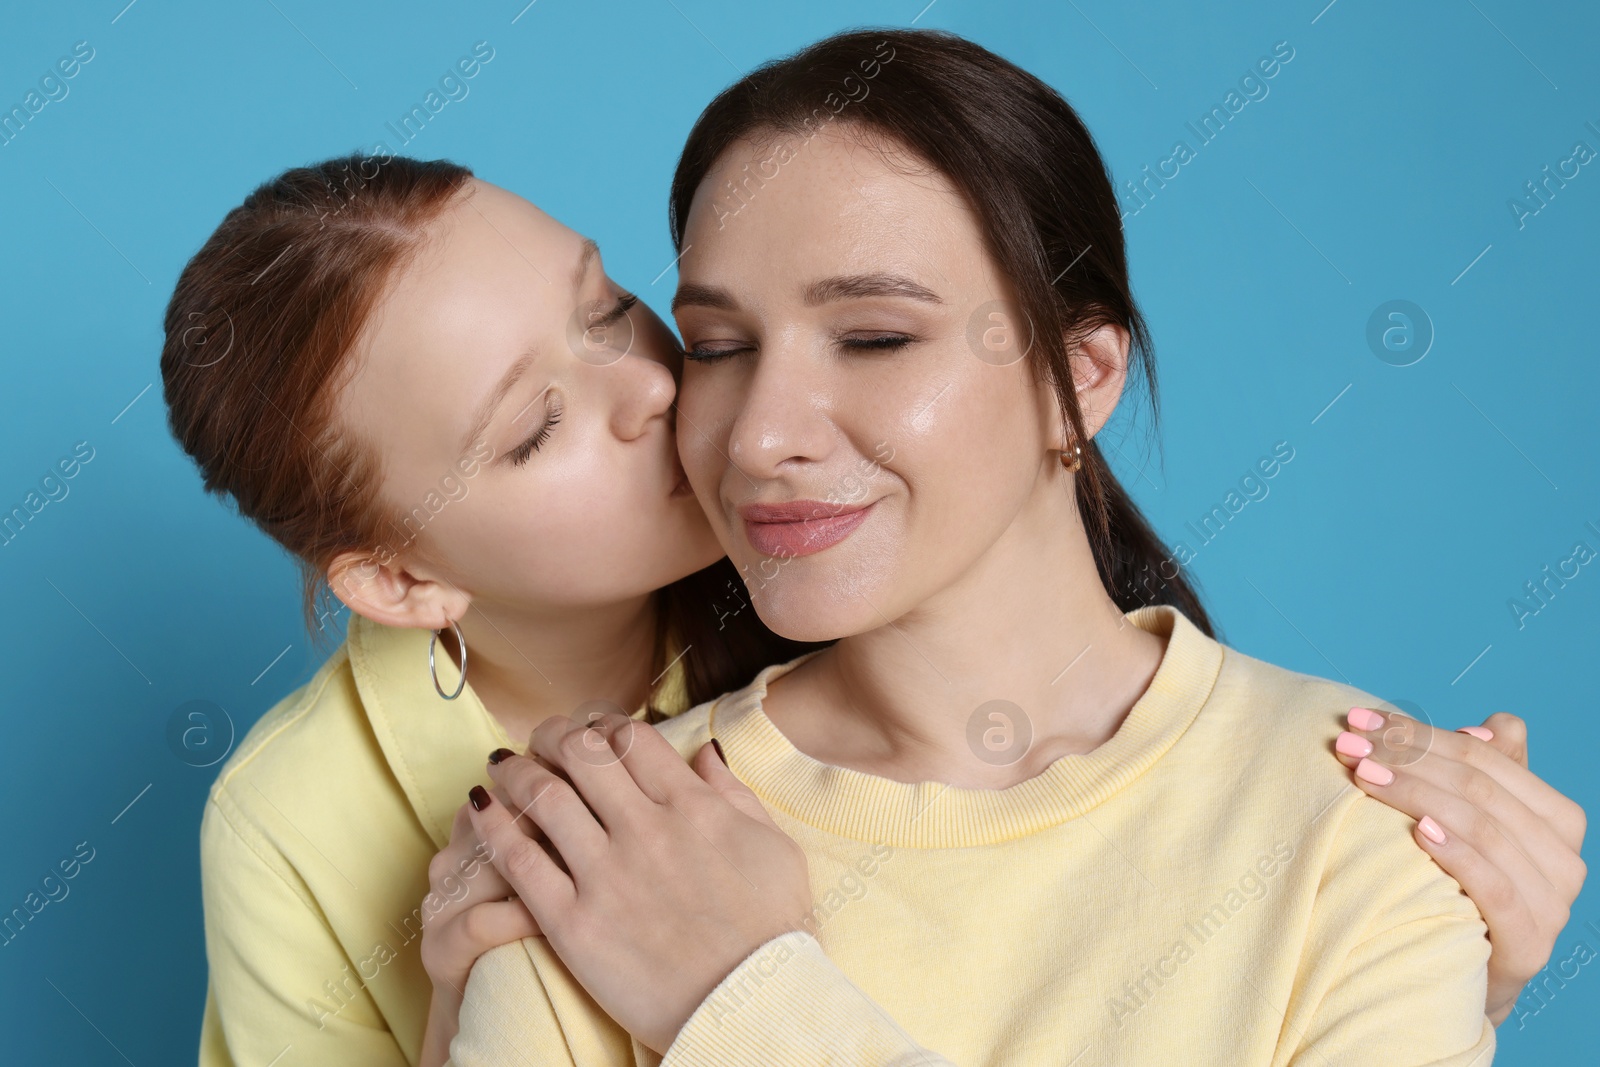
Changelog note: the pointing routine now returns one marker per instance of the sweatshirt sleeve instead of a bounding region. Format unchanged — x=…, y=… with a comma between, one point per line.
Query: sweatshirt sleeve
x=1395, y=970
x=789, y=1005
x=279, y=981
x=523, y=1007
x=786, y=1004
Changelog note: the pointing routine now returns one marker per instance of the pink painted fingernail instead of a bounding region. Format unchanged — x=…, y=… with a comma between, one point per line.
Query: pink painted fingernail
x=1482, y=733
x=1430, y=830
x=1350, y=744
x=1364, y=719
x=1374, y=772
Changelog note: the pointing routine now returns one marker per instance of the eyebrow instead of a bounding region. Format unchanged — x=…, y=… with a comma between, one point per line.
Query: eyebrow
x=588, y=252
x=857, y=286
x=839, y=287
x=496, y=397
x=586, y=257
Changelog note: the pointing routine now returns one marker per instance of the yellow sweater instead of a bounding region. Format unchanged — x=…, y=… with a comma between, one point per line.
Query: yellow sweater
x=314, y=853
x=1207, y=887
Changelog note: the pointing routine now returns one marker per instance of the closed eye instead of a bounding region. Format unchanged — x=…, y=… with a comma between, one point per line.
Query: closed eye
x=624, y=304
x=877, y=343
x=883, y=342
x=700, y=354
x=520, y=455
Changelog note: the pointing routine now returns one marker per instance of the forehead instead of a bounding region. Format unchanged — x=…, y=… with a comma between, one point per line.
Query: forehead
x=783, y=203
x=491, y=268
x=491, y=280
x=487, y=243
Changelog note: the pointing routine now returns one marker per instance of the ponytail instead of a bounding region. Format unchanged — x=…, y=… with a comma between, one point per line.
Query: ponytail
x=1134, y=565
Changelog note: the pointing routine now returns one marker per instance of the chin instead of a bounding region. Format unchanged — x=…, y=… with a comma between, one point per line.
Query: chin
x=812, y=604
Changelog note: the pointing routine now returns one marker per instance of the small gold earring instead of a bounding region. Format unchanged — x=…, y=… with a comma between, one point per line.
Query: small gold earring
x=1076, y=462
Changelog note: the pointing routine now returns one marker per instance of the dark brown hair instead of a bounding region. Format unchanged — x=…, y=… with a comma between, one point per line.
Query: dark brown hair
x=1027, y=164
x=258, y=337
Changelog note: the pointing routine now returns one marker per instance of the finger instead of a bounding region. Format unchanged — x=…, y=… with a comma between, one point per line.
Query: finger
x=458, y=943
x=475, y=867
x=461, y=824
x=1505, y=759
x=527, y=826
x=499, y=922
x=553, y=805
x=661, y=773
x=1399, y=740
x=453, y=870
x=544, y=887
x=1509, y=736
x=582, y=752
x=1520, y=947
x=463, y=841
x=712, y=768
x=1466, y=767
x=1470, y=806
x=1528, y=848
x=524, y=823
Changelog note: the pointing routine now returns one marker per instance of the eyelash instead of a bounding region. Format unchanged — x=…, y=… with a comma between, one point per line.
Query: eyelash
x=625, y=304
x=522, y=452
x=881, y=343
x=887, y=342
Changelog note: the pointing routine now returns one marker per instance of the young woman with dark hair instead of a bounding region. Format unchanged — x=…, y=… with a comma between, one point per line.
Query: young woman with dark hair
x=1024, y=808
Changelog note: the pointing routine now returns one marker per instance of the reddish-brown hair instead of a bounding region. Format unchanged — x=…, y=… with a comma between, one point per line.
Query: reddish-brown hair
x=259, y=333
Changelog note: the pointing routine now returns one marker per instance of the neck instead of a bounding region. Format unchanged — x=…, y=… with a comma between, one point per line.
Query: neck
x=1029, y=624
x=528, y=667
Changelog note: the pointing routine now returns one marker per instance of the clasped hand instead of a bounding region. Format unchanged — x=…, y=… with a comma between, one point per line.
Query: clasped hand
x=652, y=878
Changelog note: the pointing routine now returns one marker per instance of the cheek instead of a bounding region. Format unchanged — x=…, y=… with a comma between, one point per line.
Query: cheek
x=707, y=405
x=972, y=428
x=969, y=458
x=526, y=526
x=592, y=528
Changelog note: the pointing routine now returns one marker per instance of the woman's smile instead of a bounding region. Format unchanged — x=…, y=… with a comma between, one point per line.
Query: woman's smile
x=800, y=527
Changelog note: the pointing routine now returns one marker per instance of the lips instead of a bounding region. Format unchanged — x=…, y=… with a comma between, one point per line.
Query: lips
x=800, y=527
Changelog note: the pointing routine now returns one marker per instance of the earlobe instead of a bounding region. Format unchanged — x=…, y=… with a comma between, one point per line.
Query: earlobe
x=390, y=594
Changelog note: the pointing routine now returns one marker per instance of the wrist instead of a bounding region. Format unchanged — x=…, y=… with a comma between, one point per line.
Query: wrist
x=439, y=1032
x=444, y=1012
x=1500, y=1002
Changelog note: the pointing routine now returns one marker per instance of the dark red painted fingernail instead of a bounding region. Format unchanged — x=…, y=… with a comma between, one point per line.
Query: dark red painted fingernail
x=479, y=797
x=718, y=746
x=499, y=754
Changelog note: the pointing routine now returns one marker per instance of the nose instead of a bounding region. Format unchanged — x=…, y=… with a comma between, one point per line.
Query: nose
x=782, y=420
x=643, y=391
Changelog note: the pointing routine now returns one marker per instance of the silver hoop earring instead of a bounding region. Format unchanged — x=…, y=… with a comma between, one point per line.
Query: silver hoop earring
x=1076, y=462
x=433, y=670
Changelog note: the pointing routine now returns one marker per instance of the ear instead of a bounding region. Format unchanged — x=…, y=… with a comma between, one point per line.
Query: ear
x=391, y=594
x=1099, y=372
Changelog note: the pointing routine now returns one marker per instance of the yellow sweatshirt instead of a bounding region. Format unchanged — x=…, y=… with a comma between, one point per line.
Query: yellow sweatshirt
x=314, y=853
x=1207, y=887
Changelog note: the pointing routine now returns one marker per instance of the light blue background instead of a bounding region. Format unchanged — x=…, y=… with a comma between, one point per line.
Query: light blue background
x=1378, y=168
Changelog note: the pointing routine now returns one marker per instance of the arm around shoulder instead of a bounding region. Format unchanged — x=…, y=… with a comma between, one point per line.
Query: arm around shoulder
x=789, y=1005
x=786, y=1005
